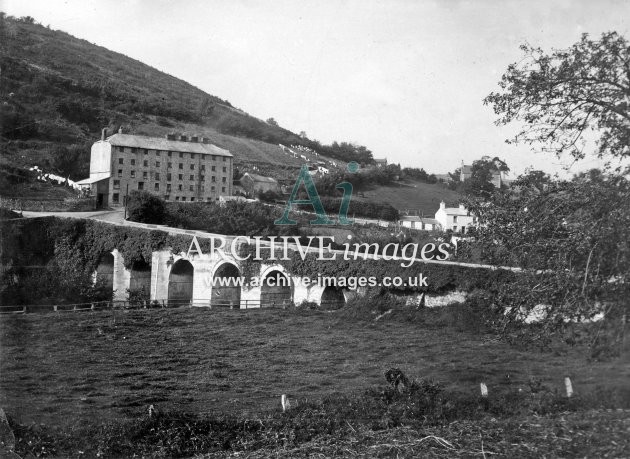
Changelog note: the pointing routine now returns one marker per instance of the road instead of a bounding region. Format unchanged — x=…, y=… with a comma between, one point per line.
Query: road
x=116, y=217
x=112, y=216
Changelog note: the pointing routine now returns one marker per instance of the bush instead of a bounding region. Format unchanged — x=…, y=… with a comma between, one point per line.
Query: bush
x=269, y=196
x=144, y=207
x=6, y=214
x=139, y=298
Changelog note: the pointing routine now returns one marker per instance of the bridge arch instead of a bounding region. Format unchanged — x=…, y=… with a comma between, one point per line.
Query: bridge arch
x=104, y=272
x=276, y=287
x=140, y=277
x=332, y=298
x=180, y=283
x=226, y=289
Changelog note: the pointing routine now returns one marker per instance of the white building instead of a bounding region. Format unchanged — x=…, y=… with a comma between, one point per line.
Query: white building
x=457, y=219
x=418, y=223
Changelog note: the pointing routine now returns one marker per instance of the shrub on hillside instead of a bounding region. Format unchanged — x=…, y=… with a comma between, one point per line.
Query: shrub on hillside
x=235, y=218
x=144, y=207
x=269, y=196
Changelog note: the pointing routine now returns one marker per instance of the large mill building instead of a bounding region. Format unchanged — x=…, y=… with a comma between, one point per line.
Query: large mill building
x=176, y=168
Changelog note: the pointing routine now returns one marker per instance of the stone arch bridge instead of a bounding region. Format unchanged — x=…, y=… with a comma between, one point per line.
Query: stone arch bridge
x=210, y=279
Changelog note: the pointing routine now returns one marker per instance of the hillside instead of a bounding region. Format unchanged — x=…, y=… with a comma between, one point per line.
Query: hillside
x=420, y=197
x=58, y=92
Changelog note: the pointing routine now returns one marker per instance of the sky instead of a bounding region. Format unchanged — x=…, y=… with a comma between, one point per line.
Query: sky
x=405, y=78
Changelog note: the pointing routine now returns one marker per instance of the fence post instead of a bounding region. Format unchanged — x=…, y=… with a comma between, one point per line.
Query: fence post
x=24, y=310
x=284, y=401
x=484, y=389
x=55, y=308
x=568, y=386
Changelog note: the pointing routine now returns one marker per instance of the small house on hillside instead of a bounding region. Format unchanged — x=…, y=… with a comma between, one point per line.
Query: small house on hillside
x=380, y=162
x=497, y=179
x=418, y=223
x=457, y=219
x=254, y=183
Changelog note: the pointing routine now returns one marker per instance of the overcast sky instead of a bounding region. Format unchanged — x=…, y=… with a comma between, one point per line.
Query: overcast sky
x=404, y=78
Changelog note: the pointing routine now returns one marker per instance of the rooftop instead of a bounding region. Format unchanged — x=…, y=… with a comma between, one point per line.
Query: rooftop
x=455, y=211
x=159, y=143
x=415, y=218
x=260, y=178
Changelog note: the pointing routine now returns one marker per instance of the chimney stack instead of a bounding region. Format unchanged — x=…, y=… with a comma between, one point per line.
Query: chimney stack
x=120, y=130
x=194, y=139
x=183, y=138
x=103, y=133
x=170, y=136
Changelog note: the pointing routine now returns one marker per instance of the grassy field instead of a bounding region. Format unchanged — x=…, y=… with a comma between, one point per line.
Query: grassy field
x=413, y=195
x=66, y=369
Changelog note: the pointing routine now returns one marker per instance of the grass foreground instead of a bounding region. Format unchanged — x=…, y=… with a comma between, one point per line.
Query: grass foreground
x=80, y=385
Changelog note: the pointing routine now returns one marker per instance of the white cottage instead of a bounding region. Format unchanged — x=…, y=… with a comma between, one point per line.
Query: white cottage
x=457, y=219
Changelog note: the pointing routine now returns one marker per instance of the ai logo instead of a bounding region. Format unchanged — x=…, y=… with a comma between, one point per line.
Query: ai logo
x=313, y=200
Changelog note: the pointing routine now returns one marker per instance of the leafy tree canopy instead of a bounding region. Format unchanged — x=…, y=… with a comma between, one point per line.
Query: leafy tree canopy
x=571, y=237
x=562, y=95
x=145, y=207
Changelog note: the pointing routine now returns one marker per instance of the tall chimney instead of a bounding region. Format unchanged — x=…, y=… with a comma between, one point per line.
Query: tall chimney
x=183, y=138
x=103, y=133
x=120, y=130
x=194, y=139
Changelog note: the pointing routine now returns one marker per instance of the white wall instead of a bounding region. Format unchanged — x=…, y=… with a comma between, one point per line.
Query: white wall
x=100, y=160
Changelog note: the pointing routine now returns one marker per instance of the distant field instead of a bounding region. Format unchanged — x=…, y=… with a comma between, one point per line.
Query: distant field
x=81, y=367
x=413, y=195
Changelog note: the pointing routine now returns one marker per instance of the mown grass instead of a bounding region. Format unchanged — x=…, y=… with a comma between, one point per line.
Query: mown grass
x=98, y=373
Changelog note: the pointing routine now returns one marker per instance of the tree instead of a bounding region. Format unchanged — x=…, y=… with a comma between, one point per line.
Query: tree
x=562, y=95
x=480, y=181
x=144, y=207
x=570, y=237
x=71, y=160
x=272, y=122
